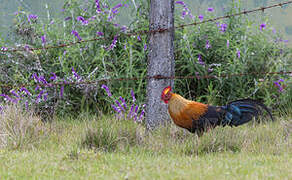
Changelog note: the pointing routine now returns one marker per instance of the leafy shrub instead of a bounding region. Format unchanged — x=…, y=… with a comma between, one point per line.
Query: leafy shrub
x=231, y=46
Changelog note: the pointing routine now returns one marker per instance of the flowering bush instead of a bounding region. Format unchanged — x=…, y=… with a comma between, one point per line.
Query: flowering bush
x=234, y=45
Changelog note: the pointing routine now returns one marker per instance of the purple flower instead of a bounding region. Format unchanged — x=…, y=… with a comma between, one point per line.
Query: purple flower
x=35, y=77
x=210, y=69
x=139, y=38
x=53, y=77
x=99, y=33
x=98, y=9
x=43, y=80
x=136, y=112
x=207, y=46
x=115, y=8
x=116, y=109
x=201, y=62
x=4, y=48
x=227, y=43
x=180, y=2
x=210, y=9
x=75, y=74
x=145, y=47
x=43, y=38
x=107, y=90
x=223, y=27
x=38, y=98
x=279, y=86
x=114, y=42
x=82, y=20
x=14, y=93
x=238, y=53
x=201, y=17
x=67, y=18
x=7, y=98
x=62, y=92
x=32, y=17
x=120, y=106
x=23, y=89
x=142, y=113
x=75, y=33
x=262, y=26
x=45, y=96
x=131, y=111
x=133, y=95
x=123, y=101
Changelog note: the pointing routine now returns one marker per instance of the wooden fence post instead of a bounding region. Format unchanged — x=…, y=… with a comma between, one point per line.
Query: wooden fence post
x=160, y=60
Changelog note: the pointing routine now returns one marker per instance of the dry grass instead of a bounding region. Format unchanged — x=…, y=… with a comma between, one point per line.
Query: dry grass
x=19, y=128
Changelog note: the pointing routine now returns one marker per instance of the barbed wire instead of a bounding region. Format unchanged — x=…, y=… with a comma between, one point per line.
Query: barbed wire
x=134, y=33
x=157, y=77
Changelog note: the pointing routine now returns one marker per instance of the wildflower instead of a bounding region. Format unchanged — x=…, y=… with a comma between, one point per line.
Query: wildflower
x=82, y=20
x=279, y=86
x=23, y=89
x=131, y=111
x=223, y=27
x=180, y=2
x=4, y=48
x=114, y=42
x=98, y=9
x=124, y=102
x=142, y=113
x=43, y=38
x=62, y=92
x=210, y=9
x=106, y=89
x=238, y=53
x=123, y=28
x=32, y=17
x=262, y=26
x=75, y=74
x=210, y=69
x=14, y=93
x=145, y=47
x=201, y=17
x=208, y=44
x=201, y=62
x=139, y=38
x=53, y=77
x=67, y=18
x=115, y=8
x=99, y=33
x=227, y=43
x=116, y=109
x=133, y=95
x=75, y=33
x=120, y=106
x=38, y=98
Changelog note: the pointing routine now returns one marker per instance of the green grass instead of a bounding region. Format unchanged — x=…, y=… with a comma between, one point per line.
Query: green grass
x=71, y=151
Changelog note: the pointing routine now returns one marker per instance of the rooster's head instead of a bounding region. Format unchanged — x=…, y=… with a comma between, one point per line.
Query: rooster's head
x=166, y=94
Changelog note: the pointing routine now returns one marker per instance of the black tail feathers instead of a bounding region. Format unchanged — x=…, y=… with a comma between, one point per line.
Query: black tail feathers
x=242, y=111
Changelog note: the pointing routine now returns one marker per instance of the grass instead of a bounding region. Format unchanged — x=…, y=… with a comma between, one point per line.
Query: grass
x=74, y=150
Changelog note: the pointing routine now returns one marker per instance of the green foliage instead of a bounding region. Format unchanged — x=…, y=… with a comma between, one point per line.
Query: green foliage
x=260, y=51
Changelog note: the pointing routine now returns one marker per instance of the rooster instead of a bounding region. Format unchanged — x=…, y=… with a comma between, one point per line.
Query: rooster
x=198, y=117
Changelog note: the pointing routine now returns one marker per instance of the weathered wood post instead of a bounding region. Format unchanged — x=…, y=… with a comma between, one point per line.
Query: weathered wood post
x=160, y=60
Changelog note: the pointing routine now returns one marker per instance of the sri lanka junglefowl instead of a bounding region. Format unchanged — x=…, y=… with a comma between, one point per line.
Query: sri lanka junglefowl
x=198, y=117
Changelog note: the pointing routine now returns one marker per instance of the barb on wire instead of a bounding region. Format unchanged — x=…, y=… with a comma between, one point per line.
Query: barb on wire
x=158, y=77
x=134, y=33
